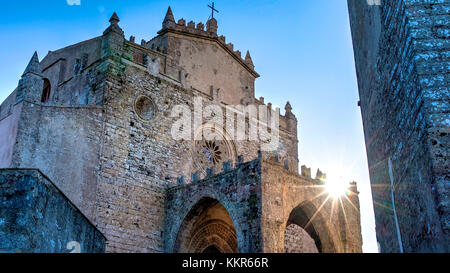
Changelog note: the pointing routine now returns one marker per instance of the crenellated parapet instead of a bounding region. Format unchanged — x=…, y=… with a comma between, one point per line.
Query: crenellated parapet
x=254, y=167
x=260, y=195
x=237, y=189
x=288, y=121
x=251, y=167
x=201, y=31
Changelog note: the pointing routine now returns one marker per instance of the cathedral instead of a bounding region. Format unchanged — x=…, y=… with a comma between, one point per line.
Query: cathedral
x=110, y=145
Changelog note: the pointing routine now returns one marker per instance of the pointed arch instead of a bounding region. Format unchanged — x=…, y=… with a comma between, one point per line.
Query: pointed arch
x=310, y=220
x=208, y=226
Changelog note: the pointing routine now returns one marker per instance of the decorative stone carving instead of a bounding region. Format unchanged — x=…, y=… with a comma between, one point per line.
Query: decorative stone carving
x=145, y=108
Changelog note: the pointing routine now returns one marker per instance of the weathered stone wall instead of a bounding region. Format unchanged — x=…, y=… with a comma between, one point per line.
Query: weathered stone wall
x=402, y=63
x=238, y=190
x=8, y=133
x=208, y=64
x=263, y=199
x=288, y=198
x=35, y=217
x=64, y=143
x=297, y=240
x=139, y=159
x=112, y=163
x=72, y=73
x=288, y=150
x=430, y=29
x=66, y=130
x=204, y=61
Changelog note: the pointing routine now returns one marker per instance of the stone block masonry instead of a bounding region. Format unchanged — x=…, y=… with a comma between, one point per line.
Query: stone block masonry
x=402, y=62
x=36, y=217
x=265, y=203
x=103, y=135
x=237, y=190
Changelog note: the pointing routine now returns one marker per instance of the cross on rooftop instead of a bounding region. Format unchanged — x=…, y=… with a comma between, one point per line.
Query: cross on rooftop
x=212, y=10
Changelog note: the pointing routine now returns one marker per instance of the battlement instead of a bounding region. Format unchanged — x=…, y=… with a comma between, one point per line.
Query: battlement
x=113, y=100
x=252, y=167
x=247, y=194
x=288, y=121
x=200, y=30
x=304, y=178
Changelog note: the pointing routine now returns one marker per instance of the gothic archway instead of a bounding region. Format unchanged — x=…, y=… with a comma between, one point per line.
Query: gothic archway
x=207, y=228
x=306, y=231
x=211, y=249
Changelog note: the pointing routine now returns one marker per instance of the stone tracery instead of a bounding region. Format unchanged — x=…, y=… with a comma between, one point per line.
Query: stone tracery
x=212, y=153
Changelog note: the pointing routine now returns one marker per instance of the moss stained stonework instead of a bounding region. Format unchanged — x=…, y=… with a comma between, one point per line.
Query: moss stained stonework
x=43, y=219
x=105, y=139
x=402, y=61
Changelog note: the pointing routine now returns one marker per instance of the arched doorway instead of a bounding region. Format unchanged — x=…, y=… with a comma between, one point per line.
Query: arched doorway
x=207, y=228
x=307, y=232
x=211, y=249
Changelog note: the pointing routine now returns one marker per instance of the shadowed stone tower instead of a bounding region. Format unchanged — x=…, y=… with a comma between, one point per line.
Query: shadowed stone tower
x=97, y=119
x=401, y=52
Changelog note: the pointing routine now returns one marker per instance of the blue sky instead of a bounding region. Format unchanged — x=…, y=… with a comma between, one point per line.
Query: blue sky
x=301, y=48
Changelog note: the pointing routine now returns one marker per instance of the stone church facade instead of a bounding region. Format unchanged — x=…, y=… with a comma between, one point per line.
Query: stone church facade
x=95, y=120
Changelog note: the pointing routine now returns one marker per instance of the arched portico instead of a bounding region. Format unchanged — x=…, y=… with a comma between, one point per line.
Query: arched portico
x=290, y=199
x=249, y=208
x=308, y=218
x=219, y=213
x=208, y=226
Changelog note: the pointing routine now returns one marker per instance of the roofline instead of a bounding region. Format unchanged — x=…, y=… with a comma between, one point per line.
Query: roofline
x=69, y=47
x=214, y=39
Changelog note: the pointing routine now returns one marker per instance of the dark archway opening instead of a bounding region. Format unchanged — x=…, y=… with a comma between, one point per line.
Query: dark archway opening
x=207, y=228
x=300, y=230
x=46, y=91
x=211, y=250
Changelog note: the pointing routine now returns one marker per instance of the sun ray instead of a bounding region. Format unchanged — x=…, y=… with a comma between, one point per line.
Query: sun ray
x=380, y=185
x=351, y=203
x=317, y=212
x=343, y=209
x=345, y=214
x=382, y=205
x=333, y=204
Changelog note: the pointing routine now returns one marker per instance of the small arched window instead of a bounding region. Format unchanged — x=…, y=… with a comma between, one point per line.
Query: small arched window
x=46, y=91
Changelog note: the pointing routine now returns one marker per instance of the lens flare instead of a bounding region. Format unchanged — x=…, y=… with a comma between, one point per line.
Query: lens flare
x=336, y=187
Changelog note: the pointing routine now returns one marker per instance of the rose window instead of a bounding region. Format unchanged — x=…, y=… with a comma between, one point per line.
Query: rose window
x=209, y=154
x=212, y=152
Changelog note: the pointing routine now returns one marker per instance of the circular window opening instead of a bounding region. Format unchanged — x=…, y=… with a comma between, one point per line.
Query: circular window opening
x=145, y=108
